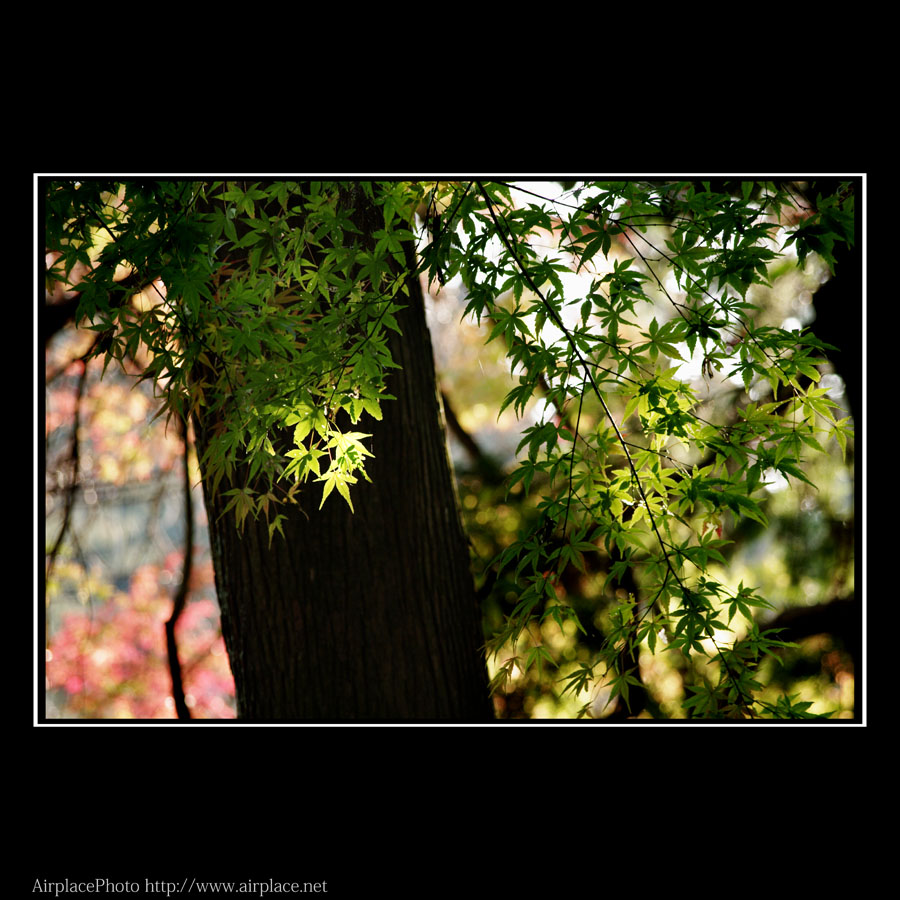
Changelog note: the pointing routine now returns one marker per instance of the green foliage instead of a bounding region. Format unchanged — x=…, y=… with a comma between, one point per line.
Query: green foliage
x=273, y=327
x=273, y=330
x=647, y=505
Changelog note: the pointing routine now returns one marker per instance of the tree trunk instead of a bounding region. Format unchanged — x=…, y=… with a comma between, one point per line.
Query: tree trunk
x=368, y=615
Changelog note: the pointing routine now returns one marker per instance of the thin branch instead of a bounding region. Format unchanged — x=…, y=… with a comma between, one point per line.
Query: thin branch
x=572, y=460
x=181, y=594
x=72, y=487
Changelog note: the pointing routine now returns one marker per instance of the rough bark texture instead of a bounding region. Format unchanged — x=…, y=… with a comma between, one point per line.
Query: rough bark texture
x=367, y=616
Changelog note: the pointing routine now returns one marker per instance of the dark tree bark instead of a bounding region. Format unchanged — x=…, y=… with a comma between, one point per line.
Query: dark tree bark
x=368, y=615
